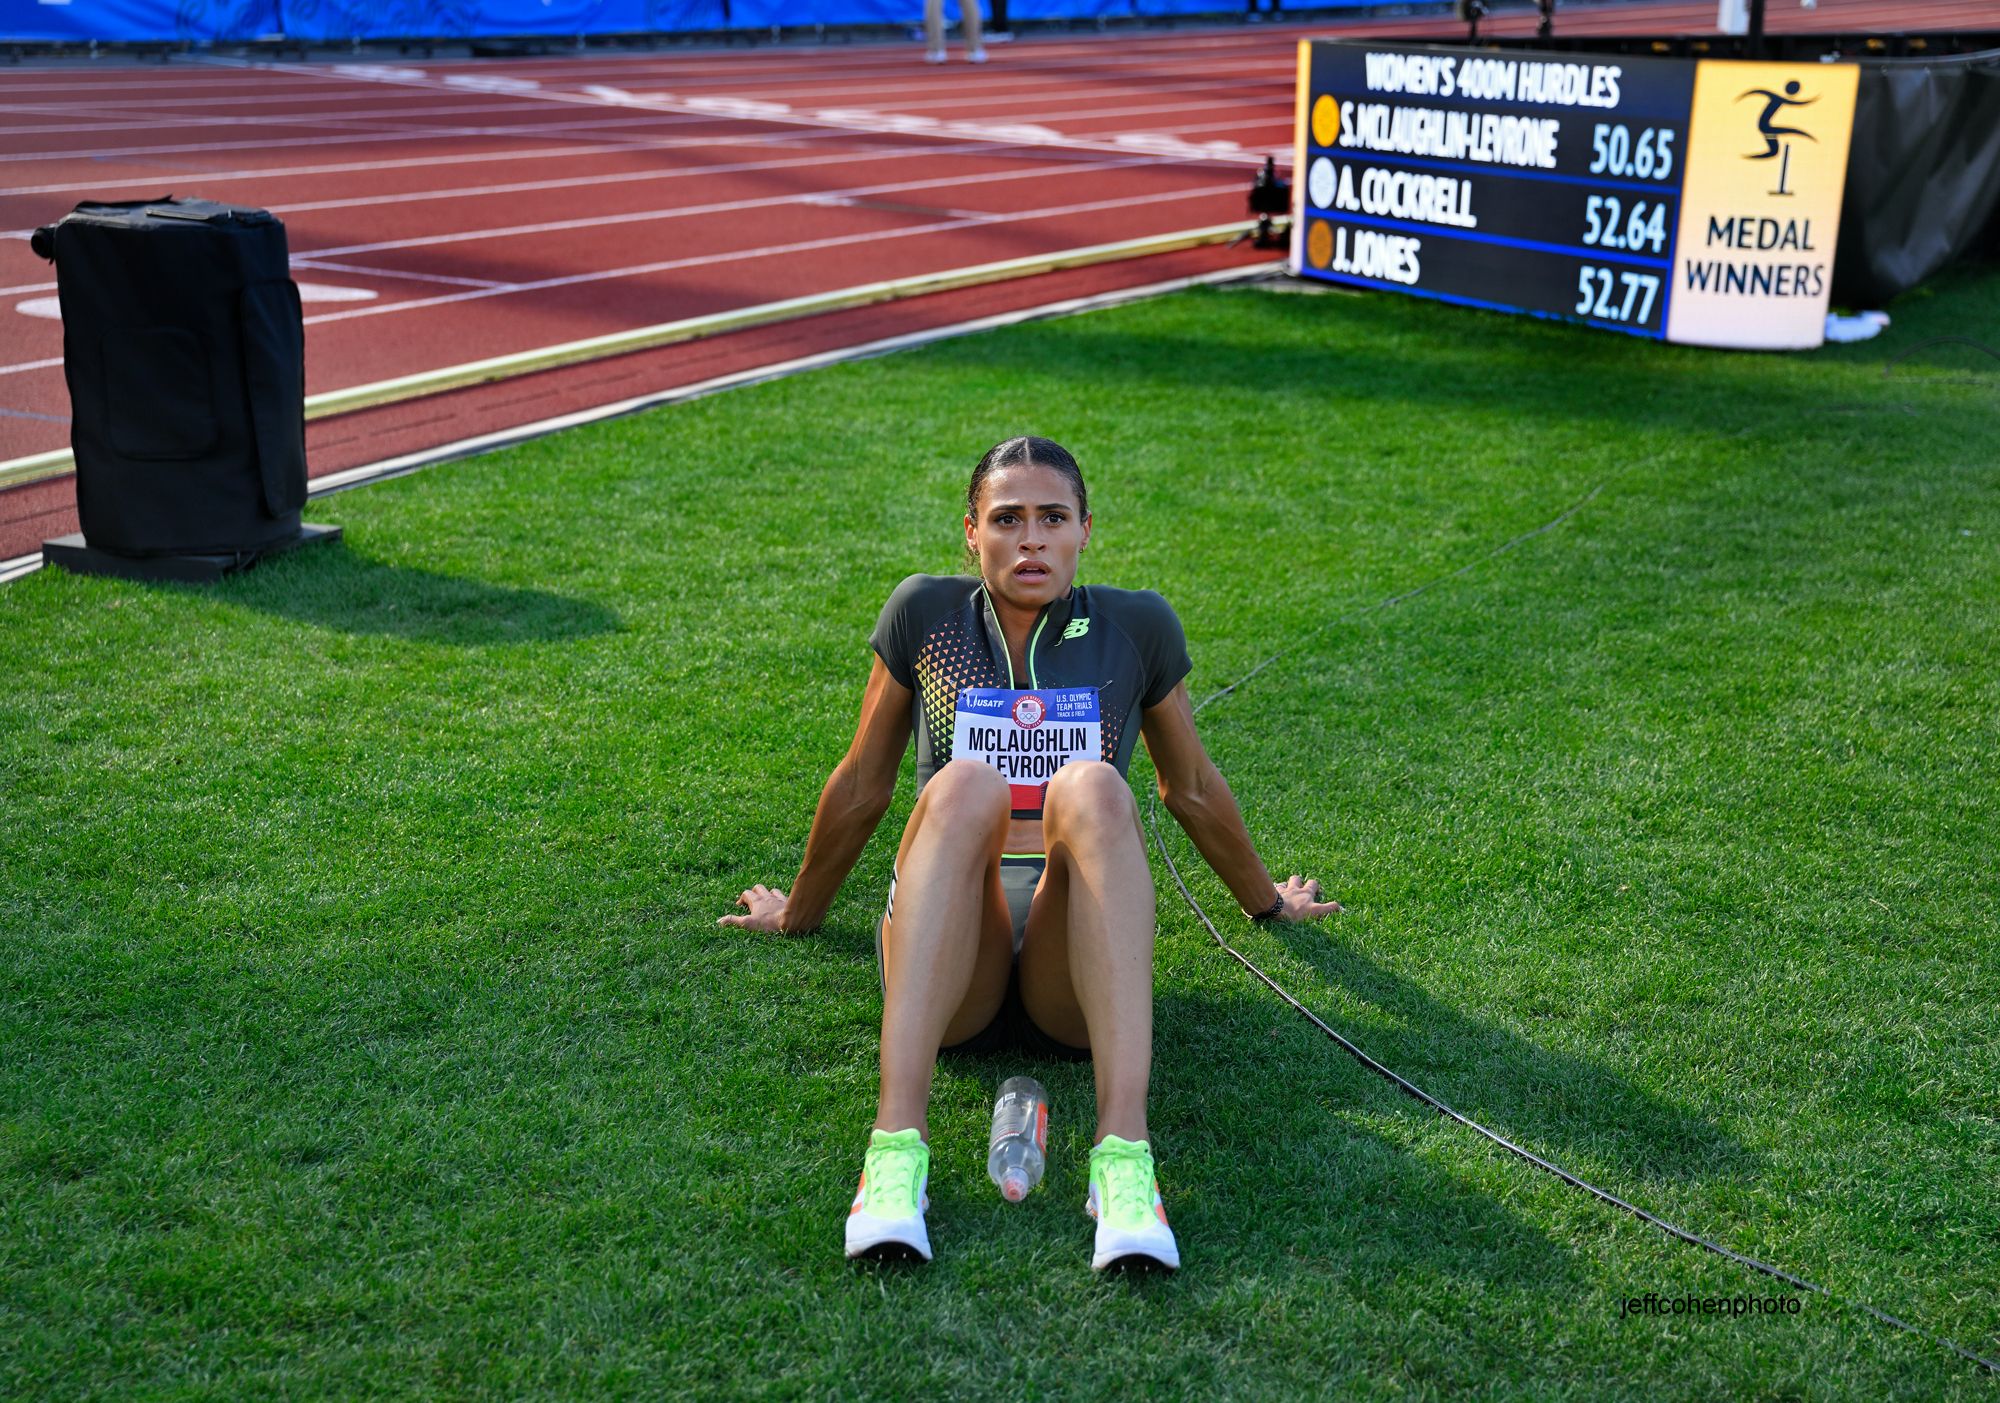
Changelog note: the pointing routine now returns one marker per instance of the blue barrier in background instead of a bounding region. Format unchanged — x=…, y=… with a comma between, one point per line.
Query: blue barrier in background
x=202, y=22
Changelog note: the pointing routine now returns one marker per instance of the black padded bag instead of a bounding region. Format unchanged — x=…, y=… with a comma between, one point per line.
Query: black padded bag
x=185, y=355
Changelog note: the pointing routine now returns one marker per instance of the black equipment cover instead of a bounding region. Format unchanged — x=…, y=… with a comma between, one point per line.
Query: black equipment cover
x=184, y=350
x=1923, y=175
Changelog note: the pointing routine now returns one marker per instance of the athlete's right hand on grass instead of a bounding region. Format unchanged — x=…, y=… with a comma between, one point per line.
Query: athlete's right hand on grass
x=767, y=909
x=1303, y=901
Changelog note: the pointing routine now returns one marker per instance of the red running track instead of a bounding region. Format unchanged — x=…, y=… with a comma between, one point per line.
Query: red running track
x=443, y=212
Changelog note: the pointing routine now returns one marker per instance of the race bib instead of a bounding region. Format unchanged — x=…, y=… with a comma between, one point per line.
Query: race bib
x=1027, y=736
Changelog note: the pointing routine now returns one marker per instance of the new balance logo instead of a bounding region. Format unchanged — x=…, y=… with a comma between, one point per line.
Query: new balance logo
x=1077, y=628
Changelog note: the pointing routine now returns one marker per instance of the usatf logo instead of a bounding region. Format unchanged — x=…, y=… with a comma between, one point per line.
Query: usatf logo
x=1077, y=628
x=1029, y=711
x=1775, y=147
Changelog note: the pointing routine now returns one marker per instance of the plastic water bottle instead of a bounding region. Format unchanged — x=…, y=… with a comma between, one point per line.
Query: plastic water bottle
x=1019, y=1144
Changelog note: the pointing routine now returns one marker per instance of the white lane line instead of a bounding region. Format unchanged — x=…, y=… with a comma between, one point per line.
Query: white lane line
x=790, y=197
x=365, y=130
x=1139, y=52
x=311, y=264
x=894, y=116
x=761, y=110
x=149, y=83
x=1275, y=53
x=329, y=483
x=522, y=187
x=1281, y=94
x=832, y=123
x=868, y=156
x=727, y=109
x=866, y=148
x=341, y=120
x=1018, y=79
x=355, y=91
x=1271, y=52
x=451, y=102
x=693, y=108
x=1279, y=127
x=50, y=308
x=78, y=121
x=865, y=156
x=333, y=292
x=1008, y=82
x=711, y=259
x=769, y=251
x=971, y=216
x=198, y=74
x=638, y=109
x=735, y=107
x=463, y=448
x=362, y=271
x=1173, y=139
x=889, y=109
x=911, y=124
x=526, y=131
x=637, y=145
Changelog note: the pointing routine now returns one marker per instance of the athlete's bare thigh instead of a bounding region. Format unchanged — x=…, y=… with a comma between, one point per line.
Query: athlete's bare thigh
x=1047, y=992
x=995, y=959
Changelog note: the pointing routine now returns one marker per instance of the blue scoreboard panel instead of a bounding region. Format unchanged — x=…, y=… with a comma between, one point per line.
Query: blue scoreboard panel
x=1559, y=185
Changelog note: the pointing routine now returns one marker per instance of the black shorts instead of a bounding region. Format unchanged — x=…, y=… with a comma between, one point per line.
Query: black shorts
x=1011, y=1030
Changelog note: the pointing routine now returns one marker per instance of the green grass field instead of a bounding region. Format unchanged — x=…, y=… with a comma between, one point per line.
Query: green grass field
x=365, y=1029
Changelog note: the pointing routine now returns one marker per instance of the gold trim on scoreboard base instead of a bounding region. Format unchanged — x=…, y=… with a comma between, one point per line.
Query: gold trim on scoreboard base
x=1299, y=98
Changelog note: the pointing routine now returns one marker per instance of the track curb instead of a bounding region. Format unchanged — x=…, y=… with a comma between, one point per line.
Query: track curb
x=39, y=467
x=503, y=438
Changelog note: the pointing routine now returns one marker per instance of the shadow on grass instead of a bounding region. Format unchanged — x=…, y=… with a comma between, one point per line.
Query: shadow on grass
x=1554, y=1103
x=1379, y=350
x=331, y=587
x=1274, y=1157
x=1264, y=1172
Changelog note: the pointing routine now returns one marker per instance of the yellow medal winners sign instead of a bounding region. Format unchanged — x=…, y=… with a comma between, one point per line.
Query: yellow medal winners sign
x=1761, y=203
x=1679, y=200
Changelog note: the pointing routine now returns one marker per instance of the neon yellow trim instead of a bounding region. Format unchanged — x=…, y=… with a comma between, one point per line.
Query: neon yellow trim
x=1034, y=681
x=1005, y=652
x=1122, y=1173
x=893, y=1172
x=1039, y=857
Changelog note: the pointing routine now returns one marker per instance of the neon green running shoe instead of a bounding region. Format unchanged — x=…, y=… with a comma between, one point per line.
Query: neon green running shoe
x=886, y=1221
x=1124, y=1197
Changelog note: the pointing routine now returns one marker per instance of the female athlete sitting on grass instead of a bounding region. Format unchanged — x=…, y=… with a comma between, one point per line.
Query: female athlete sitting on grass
x=1021, y=910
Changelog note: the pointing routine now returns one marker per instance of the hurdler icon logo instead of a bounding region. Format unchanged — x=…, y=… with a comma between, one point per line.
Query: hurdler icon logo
x=1768, y=128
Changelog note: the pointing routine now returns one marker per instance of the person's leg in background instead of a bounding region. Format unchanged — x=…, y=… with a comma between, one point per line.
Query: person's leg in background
x=968, y=25
x=933, y=31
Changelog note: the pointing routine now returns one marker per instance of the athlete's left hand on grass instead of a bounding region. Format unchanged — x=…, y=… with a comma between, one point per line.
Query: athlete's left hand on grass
x=766, y=906
x=1302, y=900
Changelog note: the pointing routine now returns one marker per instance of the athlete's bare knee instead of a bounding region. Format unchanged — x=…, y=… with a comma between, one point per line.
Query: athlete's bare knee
x=968, y=790
x=1089, y=795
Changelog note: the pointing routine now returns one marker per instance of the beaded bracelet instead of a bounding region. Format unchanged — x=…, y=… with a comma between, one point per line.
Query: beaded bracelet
x=1276, y=909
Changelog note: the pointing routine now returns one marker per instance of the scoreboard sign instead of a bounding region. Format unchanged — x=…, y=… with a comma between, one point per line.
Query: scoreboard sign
x=1693, y=201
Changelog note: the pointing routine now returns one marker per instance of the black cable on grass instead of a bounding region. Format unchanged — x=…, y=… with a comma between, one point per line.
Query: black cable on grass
x=1896, y=362
x=1410, y=1088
